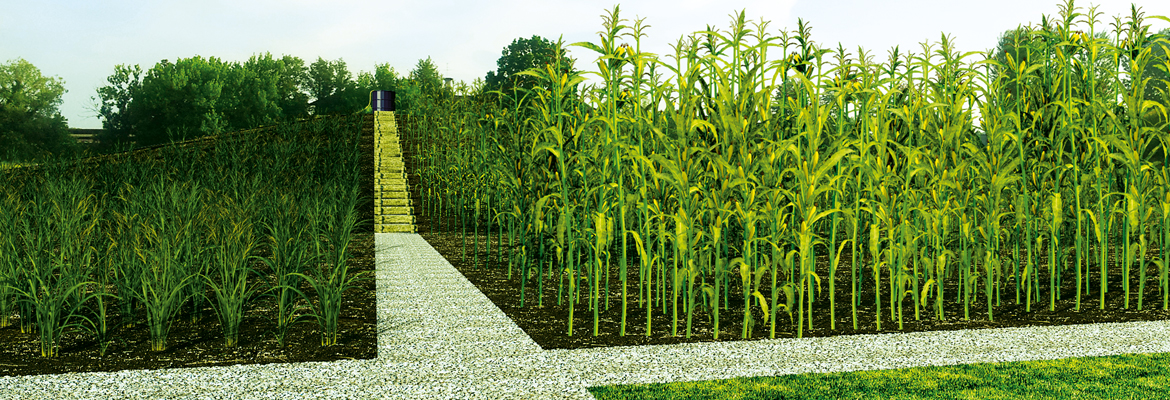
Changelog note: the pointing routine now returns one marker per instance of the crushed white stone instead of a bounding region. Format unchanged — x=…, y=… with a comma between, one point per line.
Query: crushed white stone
x=476, y=352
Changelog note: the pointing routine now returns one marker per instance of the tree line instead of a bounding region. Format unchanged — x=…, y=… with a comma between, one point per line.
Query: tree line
x=192, y=97
x=198, y=96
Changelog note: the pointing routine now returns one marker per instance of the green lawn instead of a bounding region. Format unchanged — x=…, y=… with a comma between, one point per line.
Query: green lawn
x=1130, y=376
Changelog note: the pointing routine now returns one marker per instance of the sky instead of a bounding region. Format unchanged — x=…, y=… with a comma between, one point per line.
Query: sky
x=82, y=41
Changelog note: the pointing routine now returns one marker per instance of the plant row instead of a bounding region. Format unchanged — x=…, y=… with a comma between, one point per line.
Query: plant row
x=720, y=171
x=78, y=242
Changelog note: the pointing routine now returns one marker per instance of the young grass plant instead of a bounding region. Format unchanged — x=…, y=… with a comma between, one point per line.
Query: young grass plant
x=331, y=278
x=166, y=270
x=9, y=261
x=288, y=237
x=233, y=243
x=157, y=237
x=56, y=263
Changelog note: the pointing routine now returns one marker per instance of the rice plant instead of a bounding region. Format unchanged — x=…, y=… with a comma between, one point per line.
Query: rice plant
x=92, y=246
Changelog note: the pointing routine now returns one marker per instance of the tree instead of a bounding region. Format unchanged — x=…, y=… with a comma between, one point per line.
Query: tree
x=427, y=76
x=114, y=108
x=294, y=103
x=384, y=77
x=521, y=55
x=182, y=101
x=332, y=88
x=31, y=125
x=423, y=85
x=1157, y=71
x=194, y=97
x=265, y=91
x=1036, y=47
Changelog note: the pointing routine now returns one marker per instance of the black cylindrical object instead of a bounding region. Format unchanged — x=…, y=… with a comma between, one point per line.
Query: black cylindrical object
x=382, y=100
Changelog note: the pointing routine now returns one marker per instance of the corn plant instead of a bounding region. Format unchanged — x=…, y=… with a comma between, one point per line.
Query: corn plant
x=949, y=170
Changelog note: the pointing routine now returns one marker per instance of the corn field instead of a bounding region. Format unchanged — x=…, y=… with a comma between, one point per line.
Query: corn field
x=784, y=164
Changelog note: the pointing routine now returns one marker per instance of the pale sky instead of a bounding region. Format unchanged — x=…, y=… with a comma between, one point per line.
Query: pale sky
x=81, y=41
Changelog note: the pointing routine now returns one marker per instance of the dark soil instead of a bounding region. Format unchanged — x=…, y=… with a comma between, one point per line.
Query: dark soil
x=196, y=340
x=547, y=324
x=200, y=343
x=545, y=318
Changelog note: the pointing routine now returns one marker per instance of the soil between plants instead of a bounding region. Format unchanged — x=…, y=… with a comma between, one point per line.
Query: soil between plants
x=197, y=341
x=546, y=322
x=195, y=338
x=545, y=319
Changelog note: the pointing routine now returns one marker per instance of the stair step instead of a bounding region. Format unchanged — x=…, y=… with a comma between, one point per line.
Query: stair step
x=398, y=182
x=392, y=187
x=394, y=219
x=394, y=228
x=392, y=210
x=392, y=203
x=392, y=195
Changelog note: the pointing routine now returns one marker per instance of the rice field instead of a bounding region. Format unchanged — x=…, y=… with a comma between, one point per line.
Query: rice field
x=134, y=241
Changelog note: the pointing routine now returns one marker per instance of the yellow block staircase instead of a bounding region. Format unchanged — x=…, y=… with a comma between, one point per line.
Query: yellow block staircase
x=392, y=208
